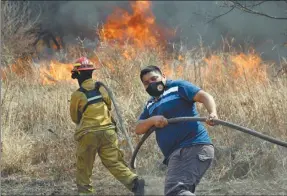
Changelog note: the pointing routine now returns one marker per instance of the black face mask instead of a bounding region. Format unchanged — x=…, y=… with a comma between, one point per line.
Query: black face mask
x=75, y=75
x=80, y=76
x=155, y=89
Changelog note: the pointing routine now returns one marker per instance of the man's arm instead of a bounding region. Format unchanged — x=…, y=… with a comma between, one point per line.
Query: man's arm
x=75, y=107
x=106, y=97
x=207, y=100
x=144, y=125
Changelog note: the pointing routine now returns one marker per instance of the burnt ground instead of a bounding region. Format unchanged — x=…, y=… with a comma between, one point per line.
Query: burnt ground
x=17, y=184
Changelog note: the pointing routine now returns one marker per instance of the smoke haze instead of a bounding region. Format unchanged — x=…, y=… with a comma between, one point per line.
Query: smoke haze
x=189, y=18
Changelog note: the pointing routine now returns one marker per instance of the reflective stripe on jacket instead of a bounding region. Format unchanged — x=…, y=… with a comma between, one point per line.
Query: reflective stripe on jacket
x=97, y=116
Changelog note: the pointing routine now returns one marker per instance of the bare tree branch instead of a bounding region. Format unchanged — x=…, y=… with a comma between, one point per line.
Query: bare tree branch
x=251, y=11
x=256, y=4
x=232, y=7
x=216, y=17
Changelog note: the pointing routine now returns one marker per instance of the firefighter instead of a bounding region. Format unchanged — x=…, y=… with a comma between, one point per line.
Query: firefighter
x=96, y=132
x=186, y=146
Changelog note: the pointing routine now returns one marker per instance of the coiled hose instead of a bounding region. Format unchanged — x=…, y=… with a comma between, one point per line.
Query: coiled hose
x=203, y=119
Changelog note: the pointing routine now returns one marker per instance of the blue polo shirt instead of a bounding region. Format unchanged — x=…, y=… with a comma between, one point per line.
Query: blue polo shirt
x=176, y=101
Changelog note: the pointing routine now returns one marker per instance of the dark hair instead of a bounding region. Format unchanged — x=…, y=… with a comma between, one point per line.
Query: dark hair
x=148, y=69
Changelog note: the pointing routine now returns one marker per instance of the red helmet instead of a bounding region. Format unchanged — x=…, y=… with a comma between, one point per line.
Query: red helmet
x=82, y=64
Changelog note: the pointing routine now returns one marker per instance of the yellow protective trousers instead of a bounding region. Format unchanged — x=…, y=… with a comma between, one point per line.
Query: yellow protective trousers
x=105, y=143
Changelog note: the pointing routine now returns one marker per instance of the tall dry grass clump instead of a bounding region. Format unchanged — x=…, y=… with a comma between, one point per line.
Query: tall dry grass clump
x=37, y=132
x=29, y=112
x=18, y=30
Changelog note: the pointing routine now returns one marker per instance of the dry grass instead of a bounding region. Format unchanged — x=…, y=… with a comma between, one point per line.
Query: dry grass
x=17, y=20
x=29, y=110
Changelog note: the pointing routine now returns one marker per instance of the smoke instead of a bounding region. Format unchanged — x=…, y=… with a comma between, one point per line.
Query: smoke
x=189, y=18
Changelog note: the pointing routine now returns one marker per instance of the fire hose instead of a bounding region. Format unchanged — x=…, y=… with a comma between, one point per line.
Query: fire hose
x=182, y=119
x=121, y=122
x=203, y=119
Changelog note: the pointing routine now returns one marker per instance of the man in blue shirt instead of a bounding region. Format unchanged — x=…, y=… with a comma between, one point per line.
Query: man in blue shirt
x=186, y=146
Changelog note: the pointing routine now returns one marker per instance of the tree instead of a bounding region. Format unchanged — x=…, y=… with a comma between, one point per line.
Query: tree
x=17, y=22
x=248, y=7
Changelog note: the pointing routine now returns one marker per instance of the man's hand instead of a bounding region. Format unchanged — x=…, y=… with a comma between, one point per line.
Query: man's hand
x=159, y=121
x=209, y=103
x=144, y=125
x=210, y=119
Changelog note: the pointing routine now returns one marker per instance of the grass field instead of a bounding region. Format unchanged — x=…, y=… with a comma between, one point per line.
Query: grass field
x=247, y=91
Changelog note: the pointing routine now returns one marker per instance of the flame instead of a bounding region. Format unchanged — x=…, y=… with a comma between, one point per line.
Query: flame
x=237, y=66
x=214, y=67
x=249, y=65
x=138, y=28
x=180, y=58
x=173, y=69
x=179, y=70
x=167, y=69
x=20, y=68
x=55, y=72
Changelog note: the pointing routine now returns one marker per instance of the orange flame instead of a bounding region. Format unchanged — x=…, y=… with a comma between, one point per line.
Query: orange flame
x=174, y=69
x=249, y=66
x=21, y=68
x=236, y=66
x=138, y=28
x=214, y=67
x=56, y=72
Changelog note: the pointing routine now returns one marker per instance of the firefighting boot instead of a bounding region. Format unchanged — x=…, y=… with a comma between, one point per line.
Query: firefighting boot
x=138, y=188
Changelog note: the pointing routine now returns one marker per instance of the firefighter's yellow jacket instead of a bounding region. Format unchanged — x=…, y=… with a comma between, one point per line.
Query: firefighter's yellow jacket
x=96, y=117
